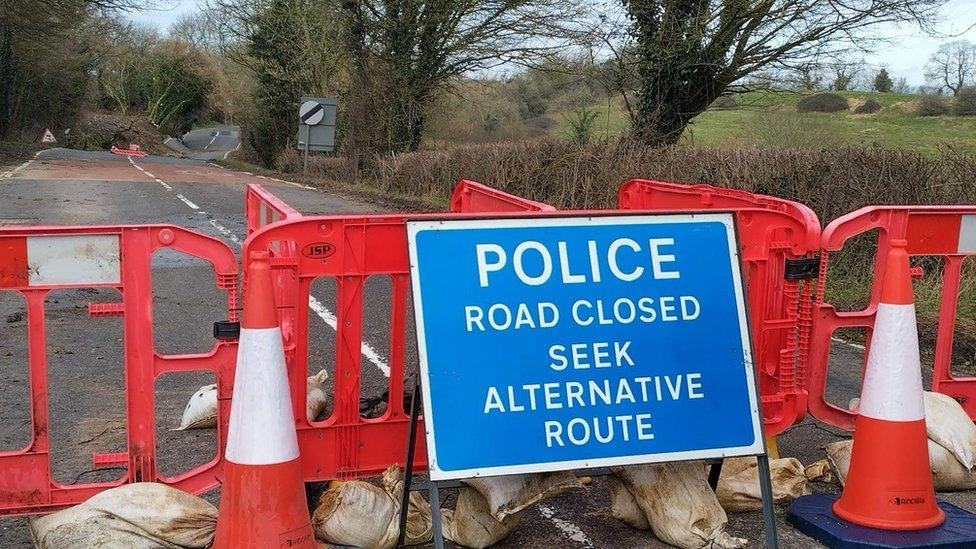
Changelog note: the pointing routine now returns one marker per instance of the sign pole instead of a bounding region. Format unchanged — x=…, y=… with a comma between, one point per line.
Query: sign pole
x=766, y=487
x=408, y=461
x=305, y=159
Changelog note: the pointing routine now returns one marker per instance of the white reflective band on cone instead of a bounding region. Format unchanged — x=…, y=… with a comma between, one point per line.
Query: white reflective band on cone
x=262, y=429
x=892, y=388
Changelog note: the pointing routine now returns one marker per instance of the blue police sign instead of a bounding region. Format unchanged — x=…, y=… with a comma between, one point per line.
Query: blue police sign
x=554, y=343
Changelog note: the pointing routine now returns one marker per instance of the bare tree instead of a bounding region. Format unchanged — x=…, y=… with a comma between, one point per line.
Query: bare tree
x=808, y=76
x=846, y=74
x=688, y=52
x=416, y=47
x=196, y=29
x=901, y=85
x=952, y=66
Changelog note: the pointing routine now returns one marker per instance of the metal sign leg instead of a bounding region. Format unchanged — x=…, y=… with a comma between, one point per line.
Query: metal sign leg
x=408, y=461
x=769, y=512
x=435, y=515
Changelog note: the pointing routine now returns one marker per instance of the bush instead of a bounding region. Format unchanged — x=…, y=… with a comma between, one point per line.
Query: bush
x=965, y=102
x=724, y=102
x=822, y=102
x=931, y=105
x=868, y=107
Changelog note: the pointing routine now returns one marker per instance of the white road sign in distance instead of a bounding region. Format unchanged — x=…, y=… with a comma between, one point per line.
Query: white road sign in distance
x=311, y=113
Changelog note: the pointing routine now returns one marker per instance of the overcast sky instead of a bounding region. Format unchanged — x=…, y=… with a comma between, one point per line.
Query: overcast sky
x=906, y=56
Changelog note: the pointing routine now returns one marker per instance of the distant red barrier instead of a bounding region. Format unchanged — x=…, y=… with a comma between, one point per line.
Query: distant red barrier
x=133, y=150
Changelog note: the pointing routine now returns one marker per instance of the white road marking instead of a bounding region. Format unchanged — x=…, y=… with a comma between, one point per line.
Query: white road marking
x=848, y=343
x=163, y=183
x=226, y=154
x=187, y=201
x=571, y=531
x=12, y=172
x=207, y=146
x=365, y=348
x=149, y=174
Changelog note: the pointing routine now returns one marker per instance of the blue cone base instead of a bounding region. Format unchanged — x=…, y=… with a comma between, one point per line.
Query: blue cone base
x=813, y=516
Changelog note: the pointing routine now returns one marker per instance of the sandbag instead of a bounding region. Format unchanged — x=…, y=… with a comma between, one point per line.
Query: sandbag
x=623, y=506
x=679, y=505
x=360, y=514
x=820, y=471
x=947, y=473
x=472, y=524
x=140, y=515
x=948, y=424
x=315, y=395
x=201, y=409
x=509, y=494
x=738, y=486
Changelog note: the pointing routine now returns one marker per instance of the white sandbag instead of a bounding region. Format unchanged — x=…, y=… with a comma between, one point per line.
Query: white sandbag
x=316, y=397
x=140, y=515
x=820, y=471
x=947, y=473
x=679, y=504
x=201, y=410
x=360, y=514
x=510, y=494
x=623, y=506
x=471, y=523
x=948, y=424
x=738, y=486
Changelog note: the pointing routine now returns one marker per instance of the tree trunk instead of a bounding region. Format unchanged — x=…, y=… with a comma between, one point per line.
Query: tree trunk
x=6, y=79
x=666, y=106
x=408, y=118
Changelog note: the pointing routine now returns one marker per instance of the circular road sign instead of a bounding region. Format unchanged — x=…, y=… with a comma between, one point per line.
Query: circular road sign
x=311, y=113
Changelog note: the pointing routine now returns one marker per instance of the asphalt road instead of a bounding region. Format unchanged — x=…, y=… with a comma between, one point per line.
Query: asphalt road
x=208, y=143
x=85, y=361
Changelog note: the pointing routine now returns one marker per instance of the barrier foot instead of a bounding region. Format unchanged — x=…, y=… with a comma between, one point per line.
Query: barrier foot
x=813, y=515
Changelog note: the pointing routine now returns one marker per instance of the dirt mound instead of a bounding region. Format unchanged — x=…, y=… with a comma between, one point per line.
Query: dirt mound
x=822, y=102
x=100, y=130
x=867, y=106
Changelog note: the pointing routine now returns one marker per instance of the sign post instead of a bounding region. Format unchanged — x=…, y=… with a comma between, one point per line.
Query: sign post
x=574, y=342
x=316, y=129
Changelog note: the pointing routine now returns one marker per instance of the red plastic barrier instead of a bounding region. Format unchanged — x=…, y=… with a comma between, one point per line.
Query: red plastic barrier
x=117, y=257
x=470, y=196
x=263, y=208
x=772, y=232
x=133, y=150
x=948, y=232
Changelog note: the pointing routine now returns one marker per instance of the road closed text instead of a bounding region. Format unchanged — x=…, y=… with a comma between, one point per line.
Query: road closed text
x=625, y=260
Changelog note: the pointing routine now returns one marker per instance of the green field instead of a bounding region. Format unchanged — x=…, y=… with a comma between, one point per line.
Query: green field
x=769, y=119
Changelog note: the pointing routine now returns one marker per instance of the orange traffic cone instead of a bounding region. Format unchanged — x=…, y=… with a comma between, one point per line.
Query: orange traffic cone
x=889, y=484
x=262, y=503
